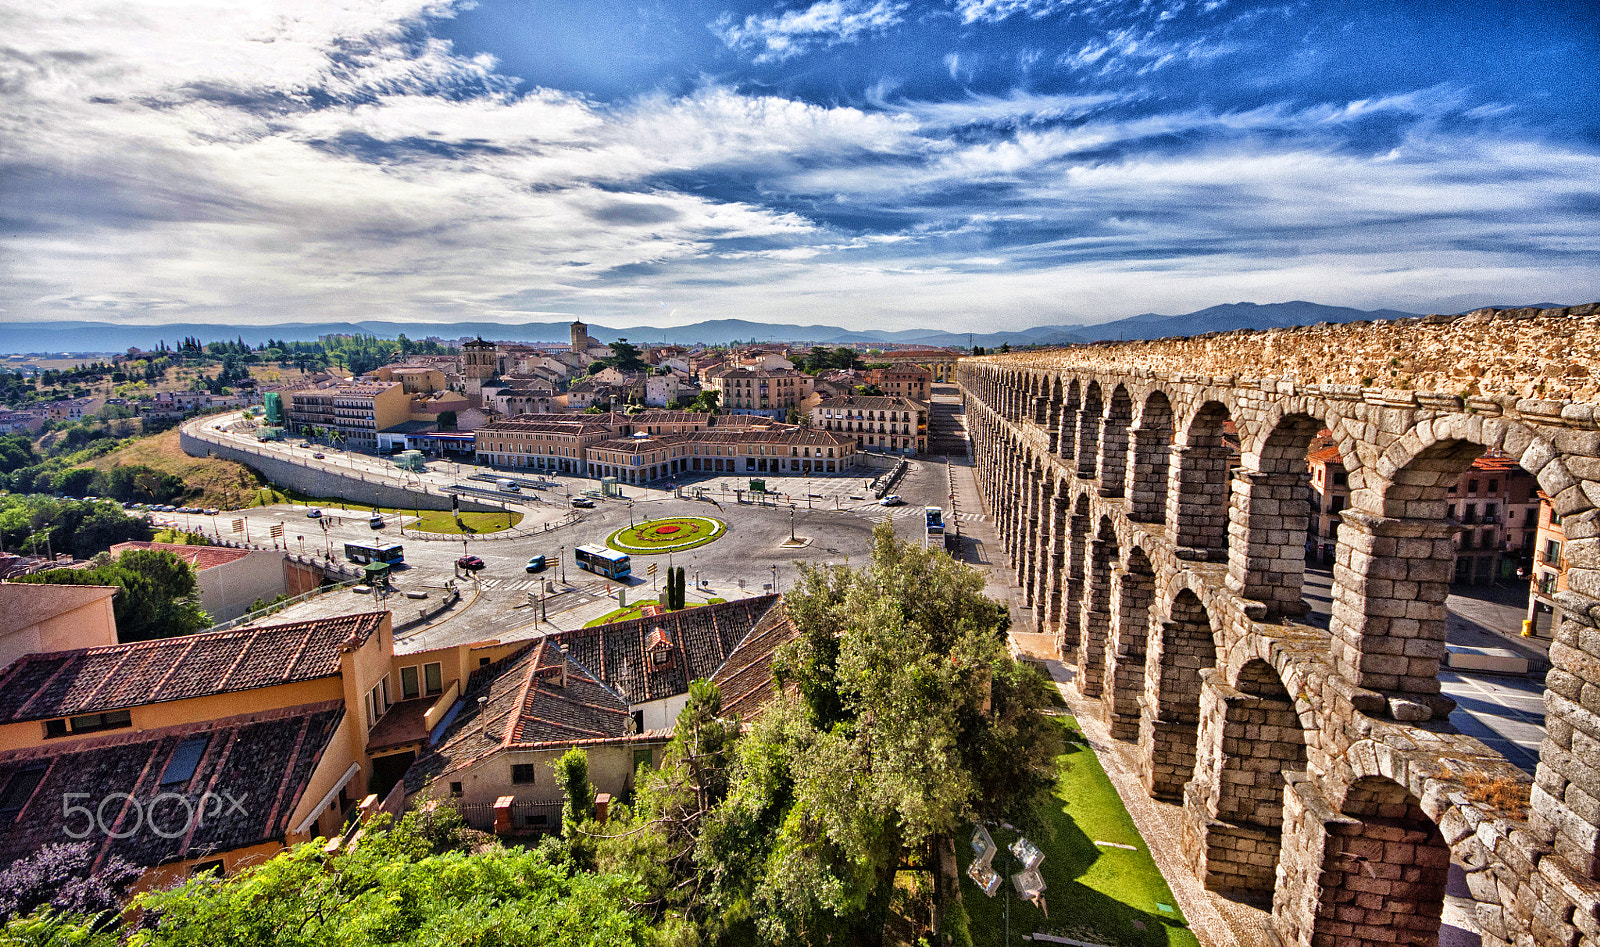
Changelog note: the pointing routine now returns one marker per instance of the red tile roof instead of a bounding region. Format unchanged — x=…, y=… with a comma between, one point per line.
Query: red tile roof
x=201, y=557
x=703, y=638
x=91, y=680
x=745, y=679
x=533, y=698
x=255, y=766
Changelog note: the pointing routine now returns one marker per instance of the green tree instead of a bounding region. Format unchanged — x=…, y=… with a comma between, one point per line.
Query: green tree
x=903, y=694
x=447, y=420
x=658, y=840
x=572, y=772
x=395, y=888
x=706, y=401
x=16, y=452
x=156, y=597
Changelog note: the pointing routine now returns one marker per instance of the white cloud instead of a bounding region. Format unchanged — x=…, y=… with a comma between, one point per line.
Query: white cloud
x=993, y=11
x=330, y=162
x=824, y=23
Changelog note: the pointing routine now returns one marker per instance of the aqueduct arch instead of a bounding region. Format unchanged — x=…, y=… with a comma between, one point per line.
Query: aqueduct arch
x=1151, y=496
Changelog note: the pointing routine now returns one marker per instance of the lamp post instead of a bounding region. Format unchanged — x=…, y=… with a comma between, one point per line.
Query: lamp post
x=791, y=522
x=774, y=579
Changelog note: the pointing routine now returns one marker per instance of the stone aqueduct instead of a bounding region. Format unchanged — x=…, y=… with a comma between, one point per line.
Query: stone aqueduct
x=1315, y=765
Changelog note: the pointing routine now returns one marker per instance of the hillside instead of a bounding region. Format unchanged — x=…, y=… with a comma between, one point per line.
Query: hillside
x=213, y=482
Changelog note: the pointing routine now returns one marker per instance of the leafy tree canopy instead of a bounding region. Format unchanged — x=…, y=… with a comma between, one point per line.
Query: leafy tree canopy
x=394, y=888
x=157, y=597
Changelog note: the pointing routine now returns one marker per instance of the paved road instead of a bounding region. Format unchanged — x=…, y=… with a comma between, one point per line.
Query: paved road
x=831, y=517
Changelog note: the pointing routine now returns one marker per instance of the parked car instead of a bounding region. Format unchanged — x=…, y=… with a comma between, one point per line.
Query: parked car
x=319, y=455
x=584, y=502
x=892, y=499
x=470, y=563
x=314, y=514
x=536, y=564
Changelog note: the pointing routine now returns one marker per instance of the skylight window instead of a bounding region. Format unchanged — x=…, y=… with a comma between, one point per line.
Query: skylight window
x=180, y=768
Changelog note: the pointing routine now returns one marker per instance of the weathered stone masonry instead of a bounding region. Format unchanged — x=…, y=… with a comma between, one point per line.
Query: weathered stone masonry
x=1313, y=765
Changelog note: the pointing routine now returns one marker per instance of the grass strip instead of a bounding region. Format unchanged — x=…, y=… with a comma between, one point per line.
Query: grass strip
x=1100, y=894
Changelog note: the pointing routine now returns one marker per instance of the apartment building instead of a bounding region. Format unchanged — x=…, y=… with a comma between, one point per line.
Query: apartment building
x=876, y=422
x=1548, y=576
x=902, y=381
x=542, y=442
x=355, y=412
x=772, y=392
x=778, y=448
x=1494, y=501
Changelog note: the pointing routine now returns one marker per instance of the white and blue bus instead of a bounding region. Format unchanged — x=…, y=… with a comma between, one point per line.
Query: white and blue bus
x=935, y=524
x=390, y=553
x=603, y=561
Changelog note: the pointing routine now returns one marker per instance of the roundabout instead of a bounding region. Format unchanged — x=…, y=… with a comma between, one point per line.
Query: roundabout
x=673, y=534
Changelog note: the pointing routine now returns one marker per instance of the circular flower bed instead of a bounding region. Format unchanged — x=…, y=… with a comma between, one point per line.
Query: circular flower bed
x=674, y=534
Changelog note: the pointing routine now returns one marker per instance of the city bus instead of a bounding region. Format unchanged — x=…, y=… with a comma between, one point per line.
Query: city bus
x=602, y=561
x=390, y=553
x=935, y=524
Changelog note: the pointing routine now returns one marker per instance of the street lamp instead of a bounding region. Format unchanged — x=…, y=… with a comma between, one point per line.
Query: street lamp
x=561, y=553
x=791, y=523
x=774, y=579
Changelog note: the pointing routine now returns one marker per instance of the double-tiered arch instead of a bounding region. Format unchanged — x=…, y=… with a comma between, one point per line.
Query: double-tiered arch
x=1157, y=524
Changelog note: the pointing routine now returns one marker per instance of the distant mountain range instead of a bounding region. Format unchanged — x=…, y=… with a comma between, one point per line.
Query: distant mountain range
x=79, y=337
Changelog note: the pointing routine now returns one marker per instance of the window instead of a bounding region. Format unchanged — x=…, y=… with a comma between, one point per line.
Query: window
x=1494, y=486
x=1472, y=486
x=523, y=773
x=210, y=866
x=19, y=790
x=183, y=762
x=409, y=687
x=455, y=789
x=88, y=723
x=433, y=678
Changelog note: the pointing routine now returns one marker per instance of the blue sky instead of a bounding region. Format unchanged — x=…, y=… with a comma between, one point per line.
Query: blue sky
x=961, y=164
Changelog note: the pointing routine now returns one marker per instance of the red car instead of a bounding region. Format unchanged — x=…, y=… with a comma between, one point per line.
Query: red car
x=470, y=563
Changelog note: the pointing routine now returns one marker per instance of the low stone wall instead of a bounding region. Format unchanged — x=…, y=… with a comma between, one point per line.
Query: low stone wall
x=322, y=481
x=1523, y=353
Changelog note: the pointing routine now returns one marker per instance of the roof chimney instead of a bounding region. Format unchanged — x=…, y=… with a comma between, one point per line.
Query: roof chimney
x=563, y=667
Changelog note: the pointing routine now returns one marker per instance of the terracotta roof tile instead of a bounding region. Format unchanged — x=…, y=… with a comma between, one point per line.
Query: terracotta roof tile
x=262, y=760
x=62, y=683
x=617, y=653
x=745, y=679
x=528, y=702
x=201, y=557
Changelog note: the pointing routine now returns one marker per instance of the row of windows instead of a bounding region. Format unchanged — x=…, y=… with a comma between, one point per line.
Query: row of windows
x=88, y=723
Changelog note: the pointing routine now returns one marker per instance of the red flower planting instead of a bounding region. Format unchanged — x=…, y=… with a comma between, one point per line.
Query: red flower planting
x=664, y=530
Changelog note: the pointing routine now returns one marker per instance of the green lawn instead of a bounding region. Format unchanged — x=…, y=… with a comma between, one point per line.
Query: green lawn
x=673, y=534
x=634, y=610
x=443, y=521
x=1099, y=894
